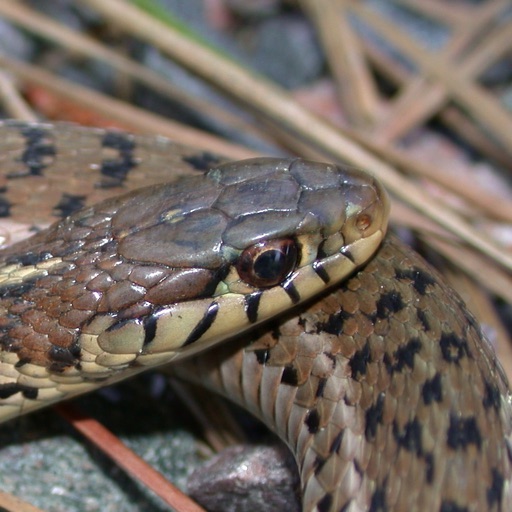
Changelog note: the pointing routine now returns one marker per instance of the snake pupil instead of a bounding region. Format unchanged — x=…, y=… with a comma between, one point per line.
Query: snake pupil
x=267, y=263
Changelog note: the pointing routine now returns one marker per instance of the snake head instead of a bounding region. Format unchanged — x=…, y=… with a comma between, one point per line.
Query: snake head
x=273, y=233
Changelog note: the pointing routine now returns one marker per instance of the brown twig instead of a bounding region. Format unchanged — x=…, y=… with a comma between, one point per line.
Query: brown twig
x=469, y=95
x=125, y=458
x=357, y=91
x=80, y=44
x=13, y=103
x=420, y=99
x=451, y=115
x=440, y=10
x=10, y=503
x=137, y=119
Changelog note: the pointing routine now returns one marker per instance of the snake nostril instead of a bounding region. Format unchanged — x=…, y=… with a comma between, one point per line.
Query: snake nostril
x=363, y=222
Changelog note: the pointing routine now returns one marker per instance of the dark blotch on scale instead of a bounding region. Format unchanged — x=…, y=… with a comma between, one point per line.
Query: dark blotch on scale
x=420, y=279
x=262, y=356
x=451, y=506
x=321, y=272
x=409, y=437
x=422, y=317
x=68, y=204
x=117, y=170
x=403, y=357
x=348, y=254
x=202, y=161
x=429, y=471
x=492, y=396
x=252, y=303
x=149, y=323
x=322, y=382
x=336, y=443
x=495, y=492
x=378, y=503
x=17, y=290
x=462, y=432
x=453, y=348
x=324, y=505
x=64, y=357
x=432, y=390
x=359, y=469
x=373, y=416
x=388, y=304
x=319, y=464
x=359, y=362
x=8, y=390
x=312, y=421
x=334, y=324
x=5, y=205
x=292, y=292
x=290, y=376
x=37, y=150
x=204, y=324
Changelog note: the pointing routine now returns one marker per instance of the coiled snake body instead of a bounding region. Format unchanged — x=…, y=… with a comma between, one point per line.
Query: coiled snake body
x=383, y=387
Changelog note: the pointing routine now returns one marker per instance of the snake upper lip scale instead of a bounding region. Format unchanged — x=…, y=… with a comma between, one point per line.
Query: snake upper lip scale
x=384, y=387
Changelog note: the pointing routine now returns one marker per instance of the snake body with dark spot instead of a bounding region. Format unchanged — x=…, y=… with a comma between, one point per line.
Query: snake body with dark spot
x=383, y=386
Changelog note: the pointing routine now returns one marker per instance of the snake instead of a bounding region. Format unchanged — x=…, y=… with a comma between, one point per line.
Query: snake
x=270, y=281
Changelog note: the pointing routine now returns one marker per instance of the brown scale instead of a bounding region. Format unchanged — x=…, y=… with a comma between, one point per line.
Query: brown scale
x=397, y=399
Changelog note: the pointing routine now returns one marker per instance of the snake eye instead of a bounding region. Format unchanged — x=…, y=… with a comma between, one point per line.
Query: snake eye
x=267, y=263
